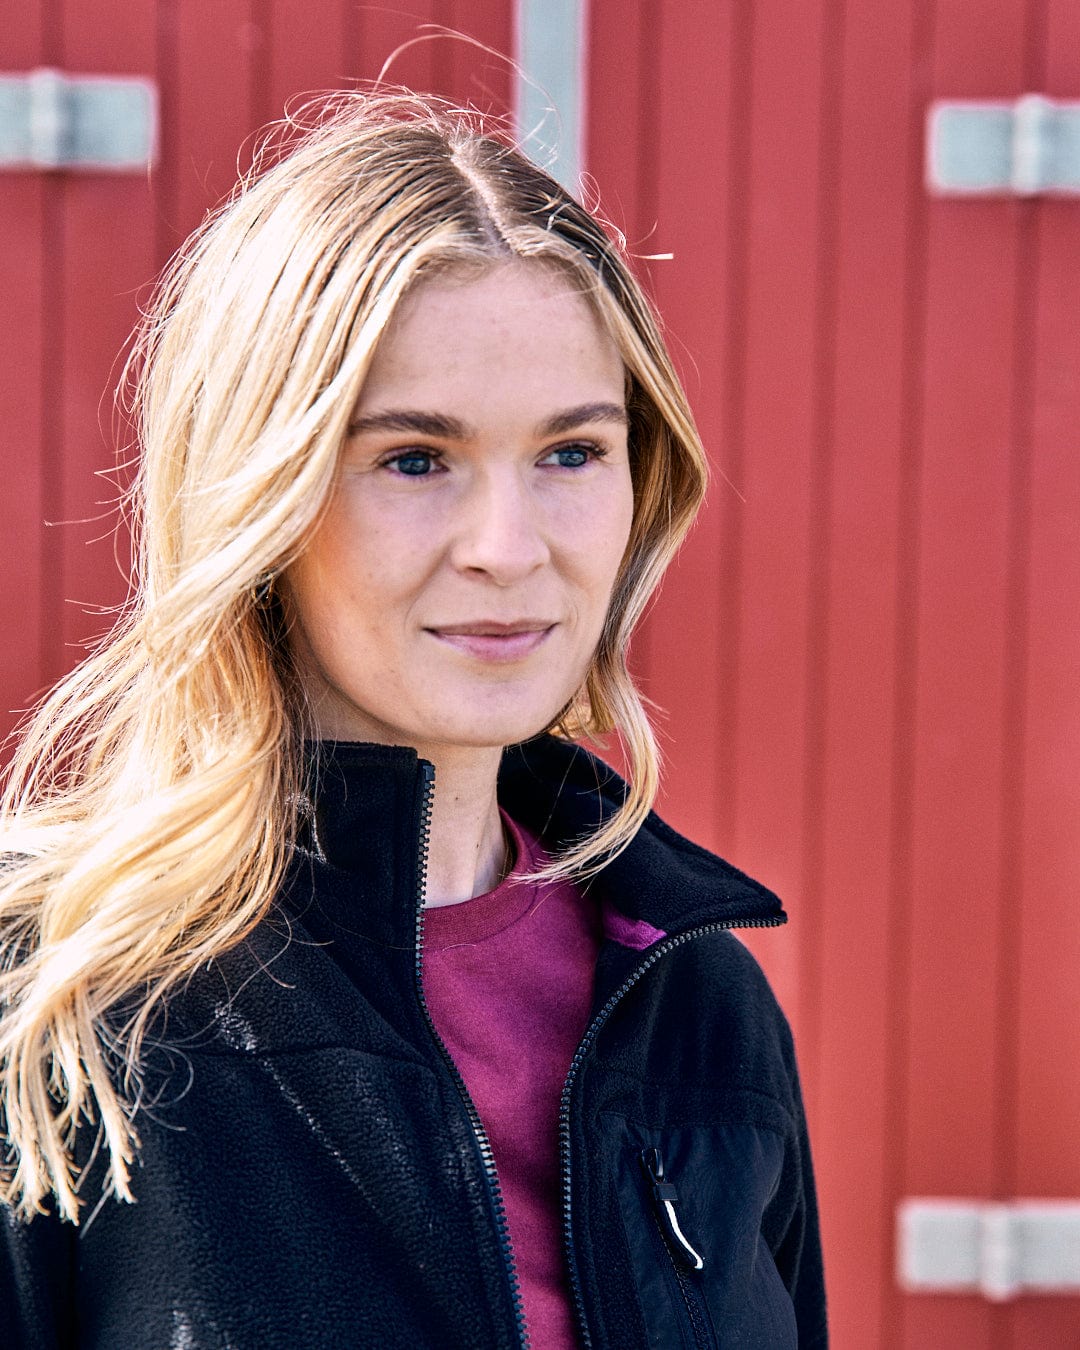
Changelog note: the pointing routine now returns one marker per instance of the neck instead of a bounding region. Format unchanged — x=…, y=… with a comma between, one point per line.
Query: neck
x=467, y=850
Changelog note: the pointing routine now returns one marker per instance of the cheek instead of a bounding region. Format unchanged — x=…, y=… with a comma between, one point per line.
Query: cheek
x=599, y=542
x=355, y=564
x=327, y=589
x=608, y=531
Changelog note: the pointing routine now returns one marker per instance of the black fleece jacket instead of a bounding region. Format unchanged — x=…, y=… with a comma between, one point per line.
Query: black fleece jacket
x=311, y=1174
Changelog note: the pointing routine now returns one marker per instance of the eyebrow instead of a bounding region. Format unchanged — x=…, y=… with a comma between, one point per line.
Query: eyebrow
x=442, y=427
x=586, y=415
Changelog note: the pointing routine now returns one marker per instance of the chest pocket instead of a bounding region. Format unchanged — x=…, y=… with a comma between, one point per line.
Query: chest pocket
x=692, y=1201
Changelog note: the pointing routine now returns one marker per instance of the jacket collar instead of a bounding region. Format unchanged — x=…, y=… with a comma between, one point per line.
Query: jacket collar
x=364, y=817
x=561, y=792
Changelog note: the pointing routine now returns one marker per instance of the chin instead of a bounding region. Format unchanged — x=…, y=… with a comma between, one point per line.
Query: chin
x=489, y=728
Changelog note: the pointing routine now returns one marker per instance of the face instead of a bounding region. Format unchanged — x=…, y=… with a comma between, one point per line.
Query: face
x=456, y=588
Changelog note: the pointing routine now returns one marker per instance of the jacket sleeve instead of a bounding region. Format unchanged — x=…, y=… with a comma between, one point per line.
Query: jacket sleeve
x=796, y=1238
x=37, y=1262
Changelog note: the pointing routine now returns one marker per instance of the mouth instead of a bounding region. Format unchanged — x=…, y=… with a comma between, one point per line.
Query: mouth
x=488, y=640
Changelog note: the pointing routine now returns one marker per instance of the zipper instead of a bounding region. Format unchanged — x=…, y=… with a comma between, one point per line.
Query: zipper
x=664, y=1199
x=591, y=1032
x=483, y=1143
x=683, y=1256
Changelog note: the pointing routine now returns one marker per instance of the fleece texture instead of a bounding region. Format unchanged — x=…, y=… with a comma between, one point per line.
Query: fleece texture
x=310, y=1173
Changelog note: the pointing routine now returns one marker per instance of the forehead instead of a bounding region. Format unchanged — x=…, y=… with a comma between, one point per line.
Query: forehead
x=520, y=330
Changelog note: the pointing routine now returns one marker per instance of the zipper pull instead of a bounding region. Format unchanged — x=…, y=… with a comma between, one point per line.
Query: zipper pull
x=665, y=1197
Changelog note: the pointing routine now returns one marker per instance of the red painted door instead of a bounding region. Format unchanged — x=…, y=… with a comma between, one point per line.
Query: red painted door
x=869, y=653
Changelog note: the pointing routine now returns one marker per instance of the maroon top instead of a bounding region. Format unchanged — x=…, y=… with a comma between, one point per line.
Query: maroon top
x=508, y=979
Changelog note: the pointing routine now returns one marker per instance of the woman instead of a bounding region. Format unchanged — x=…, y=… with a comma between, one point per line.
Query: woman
x=397, y=1015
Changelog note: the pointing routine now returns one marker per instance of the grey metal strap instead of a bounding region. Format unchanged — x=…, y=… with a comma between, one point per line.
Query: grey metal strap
x=550, y=103
x=1020, y=148
x=51, y=120
x=995, y=1249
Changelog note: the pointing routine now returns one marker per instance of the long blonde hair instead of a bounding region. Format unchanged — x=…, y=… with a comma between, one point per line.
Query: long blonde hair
x=149, y=809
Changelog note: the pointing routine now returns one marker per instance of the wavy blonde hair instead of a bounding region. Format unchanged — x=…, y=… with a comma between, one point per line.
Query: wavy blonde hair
x=150, y=806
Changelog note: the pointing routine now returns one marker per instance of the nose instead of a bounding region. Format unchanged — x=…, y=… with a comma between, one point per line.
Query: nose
x=500, y=531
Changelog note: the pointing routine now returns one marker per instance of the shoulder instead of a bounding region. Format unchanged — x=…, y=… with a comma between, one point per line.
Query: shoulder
x=704, y=1015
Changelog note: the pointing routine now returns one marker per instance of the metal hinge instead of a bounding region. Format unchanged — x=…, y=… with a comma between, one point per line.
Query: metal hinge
x=49, y=120
x=998, y=1250
x=550, y=94
x=1019, y=148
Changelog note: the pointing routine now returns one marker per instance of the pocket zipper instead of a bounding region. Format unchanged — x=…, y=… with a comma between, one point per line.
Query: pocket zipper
x=683, y=1254
x=665, y=1198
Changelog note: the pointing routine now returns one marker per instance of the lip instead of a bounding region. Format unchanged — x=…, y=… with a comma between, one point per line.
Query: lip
x=491, y=640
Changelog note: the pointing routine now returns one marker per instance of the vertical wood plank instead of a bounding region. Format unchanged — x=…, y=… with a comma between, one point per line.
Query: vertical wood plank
x=898, y=842
x=474, y=76
x=621, y=130
x=24, y=338
x=776, y=567
x=305, y=53
x=621, y=165
x=108, y=254
x=879, y=175
x=1045, y=929
x=960, y=744
x=682, y=660
x=398, y=34
x=207, y=63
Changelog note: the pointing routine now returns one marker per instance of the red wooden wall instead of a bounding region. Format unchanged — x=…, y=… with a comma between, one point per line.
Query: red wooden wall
x=868, y=653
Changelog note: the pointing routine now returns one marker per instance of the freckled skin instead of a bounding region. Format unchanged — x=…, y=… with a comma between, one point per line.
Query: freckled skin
x=456, y=588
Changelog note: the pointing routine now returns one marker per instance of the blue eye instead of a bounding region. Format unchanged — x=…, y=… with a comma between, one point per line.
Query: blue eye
x=414, y=463
x=573, y=456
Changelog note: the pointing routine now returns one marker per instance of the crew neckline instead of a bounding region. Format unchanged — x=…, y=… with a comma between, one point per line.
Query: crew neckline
x=493, y=911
